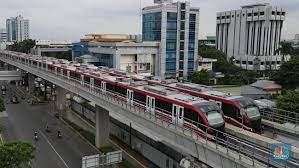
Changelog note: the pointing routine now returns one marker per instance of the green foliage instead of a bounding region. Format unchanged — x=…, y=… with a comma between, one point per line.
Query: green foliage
x=234, y=75
x=200, y=77
x=288, y=74
x=23, y=46
x=65, y=55
x=285, y=48
x=2, y=104
x=16, y=154
x=86, y=134
x=289, y=101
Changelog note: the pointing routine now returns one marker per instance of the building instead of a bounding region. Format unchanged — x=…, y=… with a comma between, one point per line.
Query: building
x=3, y=35
x=51, y=48
x=127, y=56
x=209, y=41
x=17, y=29
x=250, y=36
x=175, y=26
x=261, y=89
x=206, y=64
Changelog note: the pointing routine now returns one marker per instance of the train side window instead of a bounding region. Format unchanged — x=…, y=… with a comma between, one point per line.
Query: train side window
x=97, y=83
x=141, y=98
x=86, y=79
x=110, y=87
x=165, y=106
x=121, y=91
x=229, y=110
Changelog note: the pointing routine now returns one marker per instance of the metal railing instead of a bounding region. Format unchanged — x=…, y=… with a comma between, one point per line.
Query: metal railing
x=226, y=143
x=280, y=116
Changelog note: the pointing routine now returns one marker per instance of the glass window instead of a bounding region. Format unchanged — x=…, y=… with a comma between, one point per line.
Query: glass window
x=190, y=65
x=171, y=35
x=190, y=55
x=171, y=16
x=191, y=46
x=151, y=27
x=182, y=15
x=182, y=45
x=170, y=46
x=171, y=25
x=170, y=66
x=193, y=17
x=170, y=56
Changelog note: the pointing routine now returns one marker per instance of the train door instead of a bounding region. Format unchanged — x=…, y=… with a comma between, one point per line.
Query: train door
x=178, y=115
x=150, y=104
x=91, y=83
x=68, y=75
x=46, y=67
x=103, y=86
x=130, y=96
x=55, y=70
x=82, y=80
x=61, y=72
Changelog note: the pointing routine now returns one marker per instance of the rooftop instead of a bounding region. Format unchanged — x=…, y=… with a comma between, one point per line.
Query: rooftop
x=255, y=5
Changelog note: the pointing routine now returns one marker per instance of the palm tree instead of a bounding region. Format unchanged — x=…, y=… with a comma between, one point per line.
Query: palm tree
x=285, y=48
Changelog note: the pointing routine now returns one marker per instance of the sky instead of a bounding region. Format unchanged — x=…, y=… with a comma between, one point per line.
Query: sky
x=71, y=19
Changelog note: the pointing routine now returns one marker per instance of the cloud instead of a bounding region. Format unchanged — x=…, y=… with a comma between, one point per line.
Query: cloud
x=71, y=19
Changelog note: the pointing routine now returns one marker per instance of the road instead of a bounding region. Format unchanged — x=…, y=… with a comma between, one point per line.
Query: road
x=24, y=119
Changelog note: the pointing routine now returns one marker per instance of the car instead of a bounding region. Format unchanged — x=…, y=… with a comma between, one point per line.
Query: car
x=14, y=100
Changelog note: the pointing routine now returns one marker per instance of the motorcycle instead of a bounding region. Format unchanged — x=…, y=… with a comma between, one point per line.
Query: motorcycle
x=59, y=134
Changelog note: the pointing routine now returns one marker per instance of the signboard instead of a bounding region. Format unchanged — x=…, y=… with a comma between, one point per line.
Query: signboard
x=96, y=161
x=162, y=1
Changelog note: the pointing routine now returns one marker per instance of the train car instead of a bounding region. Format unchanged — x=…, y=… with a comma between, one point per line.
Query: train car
x=238, y=110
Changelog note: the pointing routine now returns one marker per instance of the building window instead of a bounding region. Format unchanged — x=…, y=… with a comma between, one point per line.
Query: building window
x=170, y=46
x=283, y=13
x=228, y=16
x=182, y=35
x=243, y=62
x=278, y=62
x=171, y=16
x=249, y=14
x=223, y=17
x=170, y=56
x=243, y=14
x=171, y=35
x=182, y=45
x=262, y=63
x=183, y=6
x=273, y=12
x=182, y=25
x=170, y=66
x=151, y=26
x=193, y=18
x=250, y=62
x=238, y=15
x=182, y=15
x=262, y=13
x=171, y=25
x=190, y=65
x=218, y=17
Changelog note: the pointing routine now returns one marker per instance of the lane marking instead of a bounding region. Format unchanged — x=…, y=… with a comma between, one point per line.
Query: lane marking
x=53, y=148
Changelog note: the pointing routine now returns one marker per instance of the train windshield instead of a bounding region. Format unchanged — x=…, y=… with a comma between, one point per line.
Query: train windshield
x=249, y=107
x=212, y=112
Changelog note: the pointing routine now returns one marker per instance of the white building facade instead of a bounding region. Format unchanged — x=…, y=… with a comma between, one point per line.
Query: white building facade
x=175, y=26
x=250, y=36
x=17, y=29
x=3, y=35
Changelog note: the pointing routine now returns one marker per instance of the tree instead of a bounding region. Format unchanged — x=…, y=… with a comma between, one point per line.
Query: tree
x=200, y=77
x=16, y=154
x=285, y=48
x=65, y=55
x=234, y=75
x=288, y=74
x=23, y=46
x=289, y=101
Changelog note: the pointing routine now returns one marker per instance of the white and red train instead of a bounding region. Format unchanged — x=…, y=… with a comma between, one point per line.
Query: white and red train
x=164, y=102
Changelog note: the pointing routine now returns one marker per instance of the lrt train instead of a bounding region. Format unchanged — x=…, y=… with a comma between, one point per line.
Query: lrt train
x=168, y=104
x=239, y=111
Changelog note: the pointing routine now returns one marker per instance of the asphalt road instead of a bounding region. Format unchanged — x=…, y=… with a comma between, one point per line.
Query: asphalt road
x=24, y=119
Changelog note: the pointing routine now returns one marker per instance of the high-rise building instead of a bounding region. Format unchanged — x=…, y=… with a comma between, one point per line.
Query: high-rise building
x=3, y=35
x=175, y=26
x=17, y=29
x=250, y=36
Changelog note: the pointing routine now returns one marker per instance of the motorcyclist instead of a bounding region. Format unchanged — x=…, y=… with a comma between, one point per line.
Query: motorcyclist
x=58, y=134
x=35, y=135
x=47, y=128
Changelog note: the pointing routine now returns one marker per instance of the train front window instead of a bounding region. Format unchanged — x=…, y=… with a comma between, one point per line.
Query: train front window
x=252, y=112
x=213, y=113
x=249, y=107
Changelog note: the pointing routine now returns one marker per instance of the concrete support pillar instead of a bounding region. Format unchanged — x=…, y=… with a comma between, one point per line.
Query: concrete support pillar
x=31, y=84
x=61, y=98
x=102, y=127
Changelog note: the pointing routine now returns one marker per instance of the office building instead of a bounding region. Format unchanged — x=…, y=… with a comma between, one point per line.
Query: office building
x=17, y=29
x=209, y=41
x=175, y=26
x=52, y=48
x=3, y=35
x=250, y=36
x=121, y=52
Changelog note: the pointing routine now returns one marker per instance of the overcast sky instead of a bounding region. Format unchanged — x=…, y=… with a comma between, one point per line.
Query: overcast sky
x=71, y=19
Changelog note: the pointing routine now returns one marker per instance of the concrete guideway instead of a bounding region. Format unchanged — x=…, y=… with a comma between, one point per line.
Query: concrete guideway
x=185, y=141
